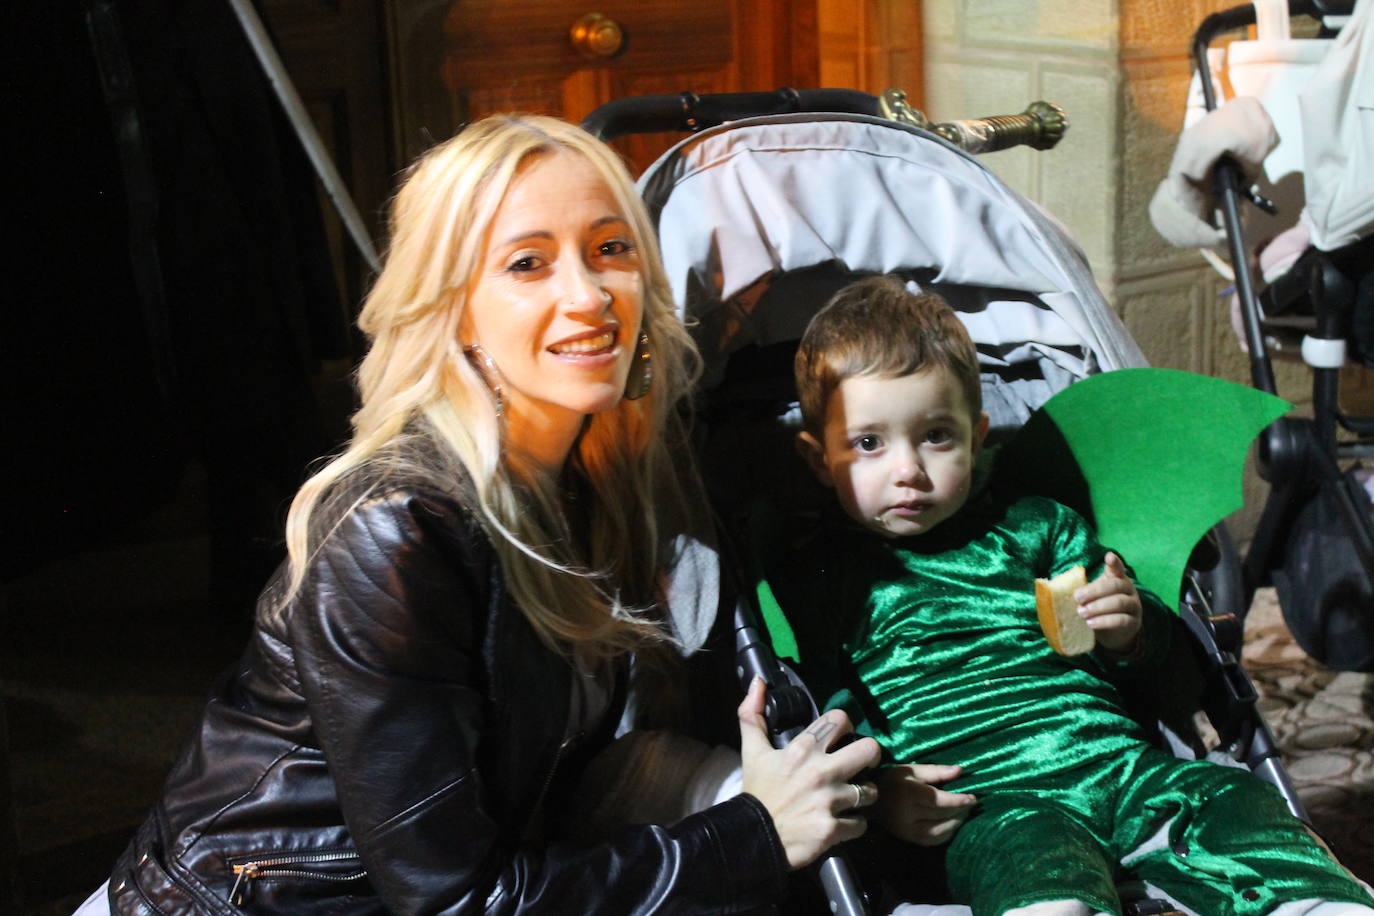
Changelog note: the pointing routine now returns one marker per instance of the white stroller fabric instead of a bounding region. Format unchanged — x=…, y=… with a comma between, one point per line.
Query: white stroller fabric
x=1273, y=67
x=1337, y=107
x=1319, y=95
x=764, y=196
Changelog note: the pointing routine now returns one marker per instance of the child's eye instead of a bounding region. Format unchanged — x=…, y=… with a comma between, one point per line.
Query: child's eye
x=940, y=435
x=869, y=443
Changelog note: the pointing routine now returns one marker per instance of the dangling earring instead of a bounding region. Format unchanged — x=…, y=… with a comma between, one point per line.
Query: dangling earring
x=487, y=370
x=641, y=375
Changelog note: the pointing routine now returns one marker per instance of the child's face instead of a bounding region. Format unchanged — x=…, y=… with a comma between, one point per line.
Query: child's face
x=898, y=451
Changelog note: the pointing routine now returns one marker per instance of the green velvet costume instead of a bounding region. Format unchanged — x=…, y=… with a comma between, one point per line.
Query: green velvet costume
x=932, y=645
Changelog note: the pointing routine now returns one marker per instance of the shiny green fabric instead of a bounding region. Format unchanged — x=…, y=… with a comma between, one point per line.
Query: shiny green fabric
x=932, y=645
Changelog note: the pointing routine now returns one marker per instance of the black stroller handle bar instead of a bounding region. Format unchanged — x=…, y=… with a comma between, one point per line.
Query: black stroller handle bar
x=1040, y=126
x=789, y=709
x=1230, y=189
x=687, y=112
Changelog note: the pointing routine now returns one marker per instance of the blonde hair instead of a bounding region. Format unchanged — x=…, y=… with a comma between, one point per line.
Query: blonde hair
x=417, y=384
x=878, y=327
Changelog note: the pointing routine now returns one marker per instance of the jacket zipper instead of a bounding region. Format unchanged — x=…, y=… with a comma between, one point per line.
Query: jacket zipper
x=548, y=777
x=280, y=867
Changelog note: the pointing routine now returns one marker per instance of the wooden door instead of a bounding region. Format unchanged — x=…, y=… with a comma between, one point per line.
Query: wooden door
x=519, y=56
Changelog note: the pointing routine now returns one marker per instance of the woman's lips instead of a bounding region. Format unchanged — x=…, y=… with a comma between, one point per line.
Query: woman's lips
x=590, y=345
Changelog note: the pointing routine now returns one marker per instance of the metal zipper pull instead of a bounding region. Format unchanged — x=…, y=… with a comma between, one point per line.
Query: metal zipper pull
x=245, y=872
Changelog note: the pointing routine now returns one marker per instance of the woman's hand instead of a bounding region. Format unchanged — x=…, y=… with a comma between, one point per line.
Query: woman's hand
x=1111, y=606
x=912, y=809
x=807, y=790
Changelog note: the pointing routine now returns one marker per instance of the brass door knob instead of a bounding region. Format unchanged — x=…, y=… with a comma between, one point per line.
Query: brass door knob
x=597, y=35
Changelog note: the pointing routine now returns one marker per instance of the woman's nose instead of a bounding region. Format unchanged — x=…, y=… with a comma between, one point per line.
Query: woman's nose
x=582, y=290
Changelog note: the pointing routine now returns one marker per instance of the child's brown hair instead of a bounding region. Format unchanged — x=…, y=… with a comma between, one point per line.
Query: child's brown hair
x=877, y=327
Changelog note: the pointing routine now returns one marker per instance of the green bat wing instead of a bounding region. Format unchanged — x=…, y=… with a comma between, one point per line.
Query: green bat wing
x=1153, y=458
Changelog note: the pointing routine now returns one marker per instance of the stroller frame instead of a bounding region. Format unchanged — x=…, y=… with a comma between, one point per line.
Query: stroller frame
x=1294, y=451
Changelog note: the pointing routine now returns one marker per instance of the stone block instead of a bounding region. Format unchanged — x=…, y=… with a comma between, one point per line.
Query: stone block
x=1077, y=178
x=1055, y=25
x=1164, y=317
x=1152, y=108
x=940, y=22
x=979, y=85
x=1154, y=28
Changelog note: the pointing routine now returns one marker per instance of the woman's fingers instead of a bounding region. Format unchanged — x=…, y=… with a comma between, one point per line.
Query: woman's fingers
x=808, y=790
x=846, y=828
x=854, y=796
x=835, y=761
x=849, y=759
x=753, y=727
x=823, y=732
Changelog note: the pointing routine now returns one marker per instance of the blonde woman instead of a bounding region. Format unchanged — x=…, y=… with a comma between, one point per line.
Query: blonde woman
x=451, y=639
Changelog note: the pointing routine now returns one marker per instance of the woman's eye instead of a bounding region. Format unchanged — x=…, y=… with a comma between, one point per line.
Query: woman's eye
x=524, y=264
x=868, y=443
x=614, y=247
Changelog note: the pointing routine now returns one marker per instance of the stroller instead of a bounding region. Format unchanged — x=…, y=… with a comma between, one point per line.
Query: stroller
x=761, y=219
x=1315, y=538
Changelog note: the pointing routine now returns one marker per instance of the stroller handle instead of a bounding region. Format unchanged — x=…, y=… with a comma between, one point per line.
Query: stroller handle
x=688, y=112
x=789, y=709
x=1040, y=126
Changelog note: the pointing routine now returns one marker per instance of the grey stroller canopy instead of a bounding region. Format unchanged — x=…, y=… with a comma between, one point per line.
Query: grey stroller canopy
x=749, y=203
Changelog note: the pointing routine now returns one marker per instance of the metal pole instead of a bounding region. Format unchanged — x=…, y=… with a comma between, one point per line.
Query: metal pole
x=305, y=129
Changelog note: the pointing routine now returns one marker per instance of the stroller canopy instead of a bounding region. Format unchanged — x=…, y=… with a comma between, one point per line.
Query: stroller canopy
x=767, y=197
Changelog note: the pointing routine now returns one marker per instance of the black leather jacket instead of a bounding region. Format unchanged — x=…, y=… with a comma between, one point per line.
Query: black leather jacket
x=386, y=744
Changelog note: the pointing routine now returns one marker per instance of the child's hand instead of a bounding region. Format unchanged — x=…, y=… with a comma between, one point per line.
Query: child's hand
x=912, y=809
x=1111, y=606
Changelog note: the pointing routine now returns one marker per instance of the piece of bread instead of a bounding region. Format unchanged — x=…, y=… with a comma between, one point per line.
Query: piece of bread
x=1068, y=634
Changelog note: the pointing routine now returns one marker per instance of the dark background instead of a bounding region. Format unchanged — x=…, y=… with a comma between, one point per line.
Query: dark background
x=175, y=353
x=178, y=326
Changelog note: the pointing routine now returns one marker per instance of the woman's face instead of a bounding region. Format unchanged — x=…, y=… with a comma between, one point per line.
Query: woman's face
x=557, y=298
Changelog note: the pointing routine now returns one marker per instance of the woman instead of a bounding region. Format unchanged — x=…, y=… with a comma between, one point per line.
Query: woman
x=451, y=638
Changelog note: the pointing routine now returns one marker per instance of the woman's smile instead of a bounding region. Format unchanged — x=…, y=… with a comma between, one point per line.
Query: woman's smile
x=594, y=343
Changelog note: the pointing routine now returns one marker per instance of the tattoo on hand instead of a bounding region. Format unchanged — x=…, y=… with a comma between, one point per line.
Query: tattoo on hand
x=821, y=731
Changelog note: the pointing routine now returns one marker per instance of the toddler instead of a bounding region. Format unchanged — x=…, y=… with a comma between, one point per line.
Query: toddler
x=914, y=609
